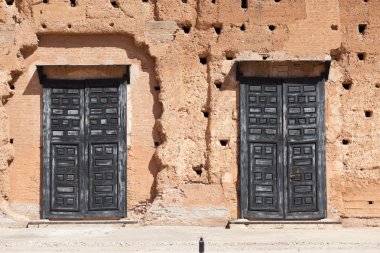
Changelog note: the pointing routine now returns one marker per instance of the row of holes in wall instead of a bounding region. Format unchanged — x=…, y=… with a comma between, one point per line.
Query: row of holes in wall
x=73, y=3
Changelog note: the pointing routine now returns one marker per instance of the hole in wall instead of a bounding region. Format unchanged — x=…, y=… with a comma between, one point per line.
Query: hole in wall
x=371, y=202
x=218, y=84
x=145, y=1
x=347, y=84
x=213, y=1
x=157, y=88
x=362, y=28
x=362, y=56
x=114, y=4
x=43, y=25
x=186, y=28
x=242, y=27
x=224, y=142
x=205, y=114
x=198, y=170
x=9, y=2
x=69, y=26
x=203, y=59
x=277, y=1
x=230, y=55
x=346, y=141
x=184, y=1
x=156, y=144
x=11, y=86
x=368, y=113
x=218, y=28
x=11, y=140
x=45, y=1
x=272, y=27
x=366, y=1
x=334, y=27
x=377, y=85
x=73, y=3
x=112, y=24
x=265, y=57
x=244, y=4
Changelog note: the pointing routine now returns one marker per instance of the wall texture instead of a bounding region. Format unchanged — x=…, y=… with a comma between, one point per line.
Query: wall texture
x=183, y=97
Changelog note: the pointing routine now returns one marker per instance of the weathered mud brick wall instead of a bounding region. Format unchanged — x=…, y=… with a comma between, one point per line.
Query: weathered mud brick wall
x=183, y=97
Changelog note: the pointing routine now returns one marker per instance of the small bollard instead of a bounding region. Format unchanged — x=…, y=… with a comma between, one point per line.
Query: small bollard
x=201, y=246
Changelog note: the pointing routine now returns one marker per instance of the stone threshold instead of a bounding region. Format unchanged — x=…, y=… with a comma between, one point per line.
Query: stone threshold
x=75, y=223
x=241, y=223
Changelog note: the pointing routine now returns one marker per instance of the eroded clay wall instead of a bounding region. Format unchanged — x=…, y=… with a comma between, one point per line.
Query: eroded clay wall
x=183, y=100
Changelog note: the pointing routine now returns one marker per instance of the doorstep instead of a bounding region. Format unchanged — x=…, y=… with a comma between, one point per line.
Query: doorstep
x=298, y=224
x=80, y=223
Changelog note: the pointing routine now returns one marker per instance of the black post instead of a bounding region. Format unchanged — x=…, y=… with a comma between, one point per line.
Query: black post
x=201, y=246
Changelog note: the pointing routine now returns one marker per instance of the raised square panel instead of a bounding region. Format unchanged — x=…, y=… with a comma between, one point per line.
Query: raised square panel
x=99, y=150
x=269, y=176
x=70, y=177
x=55, y=122
x=262, y=99
x=114, y=121
x=111, y=132
x=273, y=121
x=75, y=122
x=253, y=99
x=103, y=162
x=309, y=110
x=259, y=200
x=108, y=200
x=72, y=133
x=96, y=111
x=94, y=122
x=109, y=150
x=258, y=176
x=255, y=88
x=263, y=121
x=93, y=100
x=312, y=120
x=103, y=100
x=59, y=201
x=72, y=91
x=271, y=131
x=258, y=150
x=268, y=150
x=96, y=90
x=108, y=175
x=65, y=101
x=60, y=177
x=297, y=201
x=302, y=188
x=268, y=200
x=58, y=91
x=297, y=151
x=310, y=131
x=302, y=121
x=103, y=121
x=98, y=176
x=291, y=99
x=272, y=99
x=297, y=177
x=65, y=122
x=75, y=101
x=113, y=100
x=270, y=109
x=301, y=99
x=65, y=189
x=307, y=150
x=264, y=188
x=294, y=110
x=70, y=201
x=57, y=111
x=294, y=89
x=294, y=132
x=96, y=132
x=308, y=200
x=270, y=88
x=72, y=112
x=252, y=120
x=292, y=121
x=111, y=110
x=255, y=131
x=110, y=90
x=255, y=109
x=312, y=99
x=55, y=100
x=103, y=188
x=264, y=162
x=71, y=151
x=308, y=88
x=308, y=176
x=98, y=200
x=58, y=133
x=60, y=151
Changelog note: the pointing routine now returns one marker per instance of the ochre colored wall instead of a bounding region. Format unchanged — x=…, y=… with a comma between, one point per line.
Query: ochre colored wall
x=169, y=137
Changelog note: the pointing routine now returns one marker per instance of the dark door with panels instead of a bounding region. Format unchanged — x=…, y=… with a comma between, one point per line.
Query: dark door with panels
x=282, y=148
x=84, y=148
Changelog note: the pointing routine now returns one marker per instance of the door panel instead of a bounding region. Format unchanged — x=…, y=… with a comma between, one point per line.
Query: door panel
x=282, y=148
x=84, y=149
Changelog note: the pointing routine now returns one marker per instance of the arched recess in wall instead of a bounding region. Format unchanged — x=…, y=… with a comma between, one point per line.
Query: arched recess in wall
x=143, y=109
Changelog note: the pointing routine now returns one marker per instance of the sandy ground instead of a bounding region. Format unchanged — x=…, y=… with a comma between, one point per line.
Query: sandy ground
x=185, y=239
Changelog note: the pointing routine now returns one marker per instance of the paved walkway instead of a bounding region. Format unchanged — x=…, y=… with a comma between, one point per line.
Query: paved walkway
x=185, y=239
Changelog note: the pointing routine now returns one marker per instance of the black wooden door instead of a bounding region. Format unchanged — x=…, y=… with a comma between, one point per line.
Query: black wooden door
x=84, y=148
x=282, y=163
